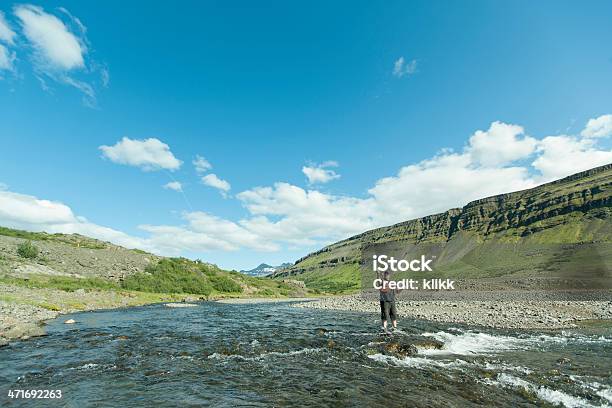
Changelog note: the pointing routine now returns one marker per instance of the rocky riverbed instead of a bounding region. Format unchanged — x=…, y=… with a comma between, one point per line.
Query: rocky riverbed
x=526, y=314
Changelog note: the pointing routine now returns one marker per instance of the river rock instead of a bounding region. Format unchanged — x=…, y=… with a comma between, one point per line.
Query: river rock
x=428, y=344
x=70, y=321
x=399, y=349
x=180, y=305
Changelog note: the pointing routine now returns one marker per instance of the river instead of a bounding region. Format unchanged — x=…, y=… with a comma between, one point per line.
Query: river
x=275, y=355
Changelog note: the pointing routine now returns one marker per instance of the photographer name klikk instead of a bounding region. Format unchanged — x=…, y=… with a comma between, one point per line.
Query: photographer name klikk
x=384, y=266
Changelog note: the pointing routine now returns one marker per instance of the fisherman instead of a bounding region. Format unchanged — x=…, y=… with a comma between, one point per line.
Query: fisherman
x=387, y=304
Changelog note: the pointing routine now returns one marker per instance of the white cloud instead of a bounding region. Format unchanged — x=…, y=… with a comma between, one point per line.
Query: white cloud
x=55, y=45
x=203, y=232
x=401, y=67
x=304, y=216
x=442, y=182
x=563, y=155
x=319, y=173
x=500, y=145
x=174, y=185
x=30, y=213
x=598, y=127
x=60, y=51
x=213, y=181
x=201, y=164
x=148, y=154
x=7, y=35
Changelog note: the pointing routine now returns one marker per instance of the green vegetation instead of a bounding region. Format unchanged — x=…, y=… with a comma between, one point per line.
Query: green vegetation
x=74, y=240
x=34, y=236
x=65, y=283
x=89, y=244
x=50, y=306
x=222, y=283
x=172, y=275
x=27, y=250
x=339, y=280
x=180, y=275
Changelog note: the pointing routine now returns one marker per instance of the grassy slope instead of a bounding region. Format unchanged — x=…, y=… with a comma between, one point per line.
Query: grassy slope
x=166, y=276
x=75, y=240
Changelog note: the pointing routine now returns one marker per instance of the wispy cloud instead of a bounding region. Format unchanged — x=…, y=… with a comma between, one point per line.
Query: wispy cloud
x=6, y=59
x=59, y=51
x=7, y=36
x=401, y=67
x=147, y=154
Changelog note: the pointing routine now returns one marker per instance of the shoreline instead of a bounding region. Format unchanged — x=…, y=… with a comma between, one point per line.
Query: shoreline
x=502, y=314
x=25, y=311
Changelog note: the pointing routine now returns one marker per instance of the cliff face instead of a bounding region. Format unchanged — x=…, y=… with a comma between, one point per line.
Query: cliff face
x=573, y=210
x=584, y=192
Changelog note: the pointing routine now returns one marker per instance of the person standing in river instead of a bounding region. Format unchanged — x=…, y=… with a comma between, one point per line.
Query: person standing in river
x=388, y=310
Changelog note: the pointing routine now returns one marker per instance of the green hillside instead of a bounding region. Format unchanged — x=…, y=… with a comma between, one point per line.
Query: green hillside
x=557, y=230
x=70, y=262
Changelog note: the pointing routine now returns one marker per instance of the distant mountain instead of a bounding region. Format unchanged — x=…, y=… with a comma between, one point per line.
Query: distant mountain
x=265, y=269
x=558, y=229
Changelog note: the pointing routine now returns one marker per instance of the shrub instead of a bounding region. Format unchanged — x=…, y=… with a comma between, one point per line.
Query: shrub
x=173, y=275
x=224, y=284
x=180, y=275
x=50, y=306
x=27, y=250
x=71, y=284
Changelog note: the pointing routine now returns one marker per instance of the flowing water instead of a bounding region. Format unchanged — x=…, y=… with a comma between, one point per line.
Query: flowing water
x=276, y=355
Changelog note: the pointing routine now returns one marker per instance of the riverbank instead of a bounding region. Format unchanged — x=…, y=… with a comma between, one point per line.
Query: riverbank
x=24, y=310
x=516, y=314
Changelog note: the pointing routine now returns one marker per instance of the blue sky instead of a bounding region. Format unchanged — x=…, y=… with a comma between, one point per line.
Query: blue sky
x=366, y=98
